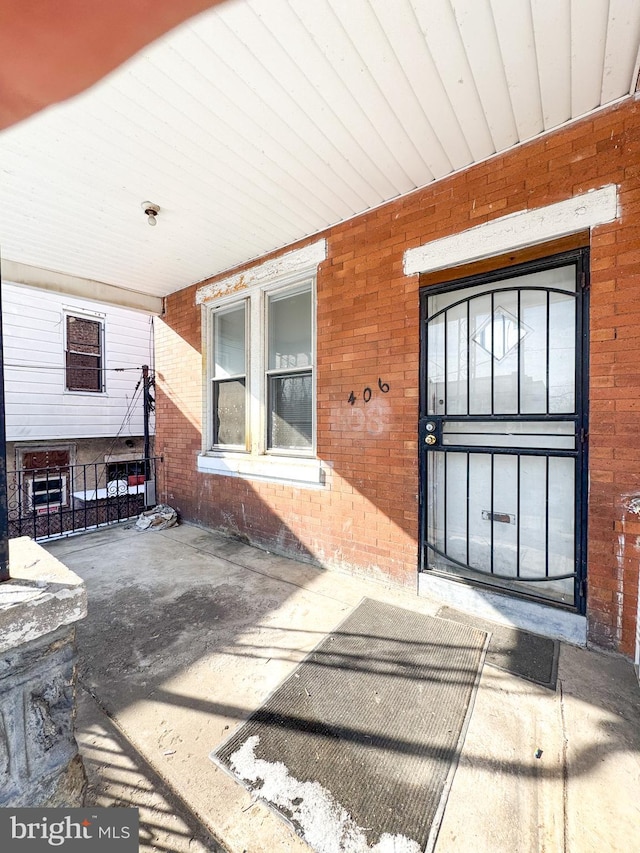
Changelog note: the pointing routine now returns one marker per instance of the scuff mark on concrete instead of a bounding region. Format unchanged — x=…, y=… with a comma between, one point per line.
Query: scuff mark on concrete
x=323, y=823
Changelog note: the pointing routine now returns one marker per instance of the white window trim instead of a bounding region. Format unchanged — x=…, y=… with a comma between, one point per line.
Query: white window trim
x=284, y=469
x=207, y=433
x=289, y=288
x=296, y=263
x=97, y=317
x=289, y=272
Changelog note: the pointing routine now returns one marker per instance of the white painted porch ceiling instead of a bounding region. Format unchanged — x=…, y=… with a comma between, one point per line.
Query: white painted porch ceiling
x=263, y=121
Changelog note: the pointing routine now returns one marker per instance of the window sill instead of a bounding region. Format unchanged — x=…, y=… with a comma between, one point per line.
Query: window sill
x=293, y=470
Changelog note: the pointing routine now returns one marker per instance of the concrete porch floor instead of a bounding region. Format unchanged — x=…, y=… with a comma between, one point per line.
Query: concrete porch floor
x=189, y=632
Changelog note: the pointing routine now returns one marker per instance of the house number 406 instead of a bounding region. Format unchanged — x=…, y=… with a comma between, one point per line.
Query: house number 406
x=368, y=393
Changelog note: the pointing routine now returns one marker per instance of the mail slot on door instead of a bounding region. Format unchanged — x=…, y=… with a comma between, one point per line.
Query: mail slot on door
x=504, y=517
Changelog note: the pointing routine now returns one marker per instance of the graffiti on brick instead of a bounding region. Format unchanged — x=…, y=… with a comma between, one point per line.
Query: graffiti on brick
x=372, y=419
x=368, y=393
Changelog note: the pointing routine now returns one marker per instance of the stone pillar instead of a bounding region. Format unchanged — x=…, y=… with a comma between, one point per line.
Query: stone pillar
x=39, y=760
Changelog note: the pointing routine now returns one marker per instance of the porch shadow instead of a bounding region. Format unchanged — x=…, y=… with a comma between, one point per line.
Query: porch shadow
x=189, y=632
x=119, y=775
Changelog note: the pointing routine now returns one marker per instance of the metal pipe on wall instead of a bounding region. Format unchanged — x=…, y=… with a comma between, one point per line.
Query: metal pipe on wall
x=4, y=506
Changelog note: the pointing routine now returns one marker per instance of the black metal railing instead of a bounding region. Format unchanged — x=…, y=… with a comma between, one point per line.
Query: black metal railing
x=45, y=503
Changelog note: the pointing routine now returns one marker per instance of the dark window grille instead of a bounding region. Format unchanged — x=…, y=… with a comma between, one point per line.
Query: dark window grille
x=46, y=502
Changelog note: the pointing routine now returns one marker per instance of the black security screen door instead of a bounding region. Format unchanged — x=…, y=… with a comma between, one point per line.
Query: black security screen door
x=502, y=429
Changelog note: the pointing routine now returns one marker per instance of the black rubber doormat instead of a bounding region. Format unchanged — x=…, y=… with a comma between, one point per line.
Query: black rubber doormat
x=529, y=656
x=358, y=747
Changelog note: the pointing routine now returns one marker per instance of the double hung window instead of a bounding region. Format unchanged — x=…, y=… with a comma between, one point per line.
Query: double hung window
x=84, y=354
x=262, y=383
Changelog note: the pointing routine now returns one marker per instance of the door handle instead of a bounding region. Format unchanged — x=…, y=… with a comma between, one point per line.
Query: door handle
x=430, y=439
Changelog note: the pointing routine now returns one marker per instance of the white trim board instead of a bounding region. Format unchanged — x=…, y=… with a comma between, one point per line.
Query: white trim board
x=85, y=288
x=515, y=231
x=294, y=471
x=296, y=262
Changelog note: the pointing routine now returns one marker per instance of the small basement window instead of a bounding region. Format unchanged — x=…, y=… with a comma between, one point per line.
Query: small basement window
x=46, y=479
x=47, y=494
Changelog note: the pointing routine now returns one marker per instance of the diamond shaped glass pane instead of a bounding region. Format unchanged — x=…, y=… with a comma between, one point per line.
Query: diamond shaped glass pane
x=500, y=336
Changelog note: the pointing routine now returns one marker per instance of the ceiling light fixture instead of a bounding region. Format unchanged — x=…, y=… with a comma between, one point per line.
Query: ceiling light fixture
x=151, y=210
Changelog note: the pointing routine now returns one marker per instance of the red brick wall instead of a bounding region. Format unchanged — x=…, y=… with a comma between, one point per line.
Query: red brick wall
x=368, y=329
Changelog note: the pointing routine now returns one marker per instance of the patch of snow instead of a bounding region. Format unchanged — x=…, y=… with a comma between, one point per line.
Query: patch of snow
x=326, y=826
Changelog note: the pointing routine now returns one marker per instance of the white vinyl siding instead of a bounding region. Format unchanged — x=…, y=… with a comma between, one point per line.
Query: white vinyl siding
x=38, y=406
